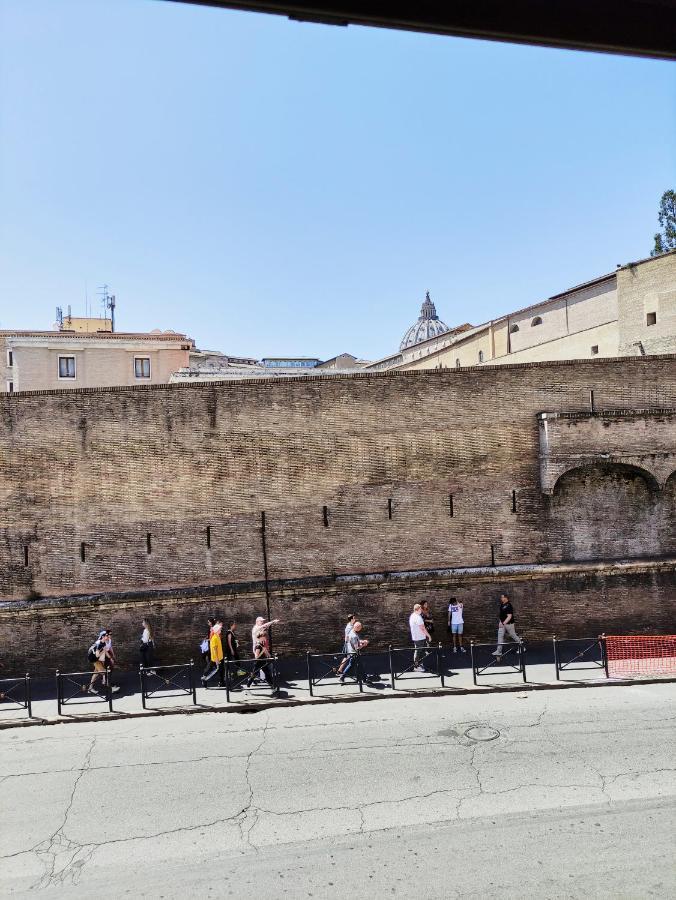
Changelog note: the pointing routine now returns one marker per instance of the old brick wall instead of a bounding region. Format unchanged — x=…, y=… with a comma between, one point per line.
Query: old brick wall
x=106, y=468
x=93, y=473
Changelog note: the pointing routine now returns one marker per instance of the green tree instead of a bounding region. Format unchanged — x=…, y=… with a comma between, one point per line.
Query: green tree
x=666, y=238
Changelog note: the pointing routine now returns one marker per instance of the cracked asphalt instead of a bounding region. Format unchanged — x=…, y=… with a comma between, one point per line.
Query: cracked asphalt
x=544, y=794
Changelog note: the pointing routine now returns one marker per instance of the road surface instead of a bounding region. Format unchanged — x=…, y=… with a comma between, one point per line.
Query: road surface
x=541, y=794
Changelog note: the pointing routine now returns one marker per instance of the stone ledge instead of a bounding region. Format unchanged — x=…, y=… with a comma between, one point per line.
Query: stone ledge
x=330, y=583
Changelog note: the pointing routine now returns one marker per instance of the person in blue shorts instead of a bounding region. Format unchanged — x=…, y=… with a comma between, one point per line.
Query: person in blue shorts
x=456, y=623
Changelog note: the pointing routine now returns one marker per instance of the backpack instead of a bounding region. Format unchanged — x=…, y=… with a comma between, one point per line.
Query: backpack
x=91, y=653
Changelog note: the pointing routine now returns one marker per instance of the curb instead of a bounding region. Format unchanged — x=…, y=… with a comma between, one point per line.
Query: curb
x=399, y=694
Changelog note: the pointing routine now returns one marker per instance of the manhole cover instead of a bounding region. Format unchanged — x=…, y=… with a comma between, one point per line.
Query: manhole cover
x=482, y=733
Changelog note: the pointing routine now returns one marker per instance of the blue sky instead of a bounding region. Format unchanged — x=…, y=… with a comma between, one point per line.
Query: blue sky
x=271, y=187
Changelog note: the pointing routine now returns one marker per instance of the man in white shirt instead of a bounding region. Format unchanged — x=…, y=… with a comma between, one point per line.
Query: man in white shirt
x=456, y=623
x=419, y=635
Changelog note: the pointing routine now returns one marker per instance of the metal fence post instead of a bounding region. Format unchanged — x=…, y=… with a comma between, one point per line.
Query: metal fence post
x=604, y=654
x=359, y=673
x=227, y=679
x=58, y=693
x=556, y=658
x=29, y=706
x=522, y=654
x=389, y=654
x=471, y=652
x=142, y=673
x=440, y=663
x=275, y=676
x=109, y=690
x=309, y=673
x=193, y=688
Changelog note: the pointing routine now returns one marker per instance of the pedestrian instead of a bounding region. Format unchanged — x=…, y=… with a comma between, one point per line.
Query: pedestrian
x=109, y=649
x=231, y=642
x=419, y=635
x=98, y=656
x=456, y=623
x=427, y=617
x=260, y=639
x=505, y=624
x=231, y=647
x=147, y=645
x=204, y=647
x=354, y=645
x=215, y=655
x=351, y=619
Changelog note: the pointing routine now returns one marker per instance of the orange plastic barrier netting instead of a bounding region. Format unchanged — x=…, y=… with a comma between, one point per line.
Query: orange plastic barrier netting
x=641, y=654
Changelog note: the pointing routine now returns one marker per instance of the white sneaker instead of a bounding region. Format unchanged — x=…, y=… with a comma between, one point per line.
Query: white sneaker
x=455, y=649
x=462, y=650
x=418, y=669
x=497, y=653
x=92, y=690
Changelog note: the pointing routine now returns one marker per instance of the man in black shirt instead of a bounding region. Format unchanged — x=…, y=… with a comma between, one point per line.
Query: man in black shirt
x=505, y=624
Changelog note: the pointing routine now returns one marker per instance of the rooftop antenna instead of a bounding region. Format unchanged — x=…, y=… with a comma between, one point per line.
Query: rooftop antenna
x=59, y=317
x=108, y=303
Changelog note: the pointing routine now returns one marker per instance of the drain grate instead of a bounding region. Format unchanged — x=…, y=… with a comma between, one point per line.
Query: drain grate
x=482, y=733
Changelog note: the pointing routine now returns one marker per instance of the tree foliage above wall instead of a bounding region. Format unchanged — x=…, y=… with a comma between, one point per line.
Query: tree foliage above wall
x=666, y=238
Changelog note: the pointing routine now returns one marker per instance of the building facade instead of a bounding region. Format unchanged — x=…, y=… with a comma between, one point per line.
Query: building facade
x=58, y=360
x=629, y=312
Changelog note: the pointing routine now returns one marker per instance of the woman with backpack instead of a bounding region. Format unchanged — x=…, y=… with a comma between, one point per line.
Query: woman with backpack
x=98, y=656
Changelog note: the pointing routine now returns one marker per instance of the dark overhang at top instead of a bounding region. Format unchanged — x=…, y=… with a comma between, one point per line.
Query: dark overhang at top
x=637, y=27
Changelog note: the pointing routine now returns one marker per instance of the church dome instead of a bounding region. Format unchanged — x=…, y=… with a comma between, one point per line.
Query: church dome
x=429, y=325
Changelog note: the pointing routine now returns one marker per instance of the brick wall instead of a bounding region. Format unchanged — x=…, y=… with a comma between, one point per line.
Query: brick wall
x=107, y=468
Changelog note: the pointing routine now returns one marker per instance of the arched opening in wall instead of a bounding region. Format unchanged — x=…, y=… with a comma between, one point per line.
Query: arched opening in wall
x=513, y=329
x=536, y=321
x=606, y=511
x=669, y=502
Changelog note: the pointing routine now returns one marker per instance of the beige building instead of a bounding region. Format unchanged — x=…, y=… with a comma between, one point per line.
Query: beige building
x=53, y=360
x=629, y=312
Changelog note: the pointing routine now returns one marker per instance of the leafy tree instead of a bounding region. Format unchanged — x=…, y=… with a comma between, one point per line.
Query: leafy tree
x=666, y=239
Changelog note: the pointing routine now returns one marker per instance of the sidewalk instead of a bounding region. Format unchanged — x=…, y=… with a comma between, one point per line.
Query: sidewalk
x=294, y=690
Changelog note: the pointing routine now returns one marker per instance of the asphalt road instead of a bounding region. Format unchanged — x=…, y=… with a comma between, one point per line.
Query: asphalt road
x=544, y=794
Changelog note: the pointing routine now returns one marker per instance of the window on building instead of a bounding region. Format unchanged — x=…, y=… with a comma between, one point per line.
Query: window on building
x=536, y=321
x=651, y=319
x=10, y=358
x=513, y=329
x=66, y=367
x=595, y=350
x=142, y=366
x=457, y=364
x=481, y=355
x=10, y=387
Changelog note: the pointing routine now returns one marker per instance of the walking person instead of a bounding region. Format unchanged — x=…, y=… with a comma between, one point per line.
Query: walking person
x=111, y=662
x=419, y=635
x=456, y=623
x=426, y=613
x=204, y=647
x=231, y=646
x=351, y=619
x=98, y=656
x=147, y=646
x=216, y=655
x=354, y=645
x=505, y=624
x=260, y=639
